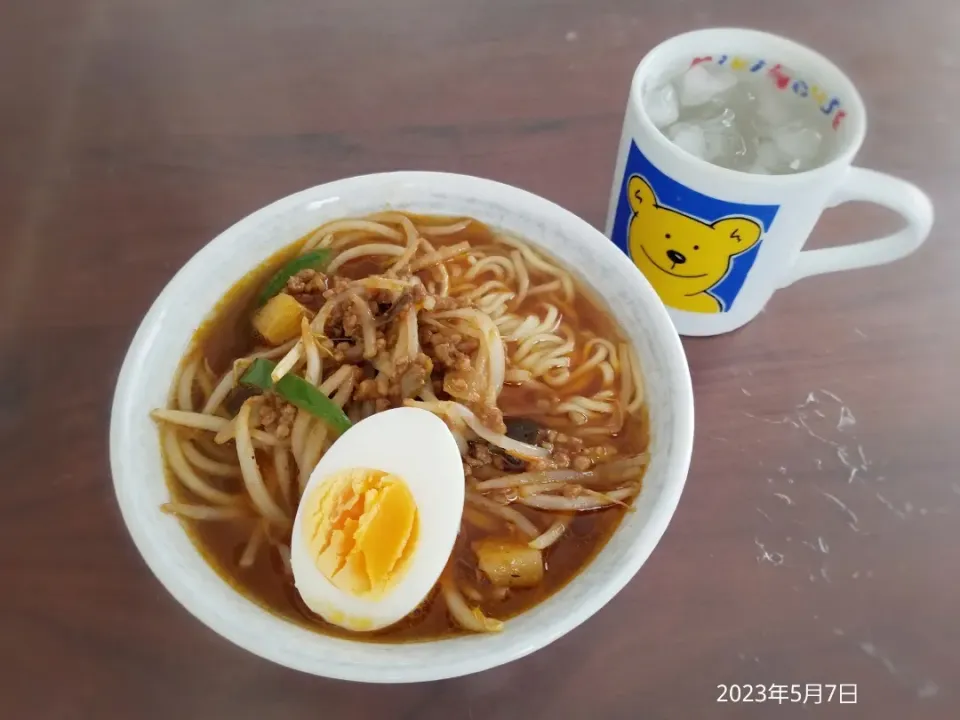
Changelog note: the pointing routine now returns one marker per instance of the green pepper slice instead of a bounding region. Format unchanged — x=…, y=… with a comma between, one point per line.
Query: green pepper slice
x=296, y=390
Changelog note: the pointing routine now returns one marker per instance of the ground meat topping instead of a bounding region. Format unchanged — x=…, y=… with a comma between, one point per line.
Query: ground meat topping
x=409, y=377
x=307, y=287
x=581, y=463
x=478, y=455
x=491, y=417
x=277, y=416
x=452, y=352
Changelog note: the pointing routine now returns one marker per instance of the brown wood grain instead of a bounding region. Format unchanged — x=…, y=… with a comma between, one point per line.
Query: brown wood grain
x=133, y=131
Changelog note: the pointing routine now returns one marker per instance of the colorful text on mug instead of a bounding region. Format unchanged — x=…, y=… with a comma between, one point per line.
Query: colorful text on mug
x=784, y=79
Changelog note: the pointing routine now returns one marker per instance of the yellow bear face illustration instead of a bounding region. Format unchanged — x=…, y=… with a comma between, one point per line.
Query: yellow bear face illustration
x=681, y=256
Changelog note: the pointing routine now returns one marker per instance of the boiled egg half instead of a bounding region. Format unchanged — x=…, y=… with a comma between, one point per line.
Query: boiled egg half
x=378, y=519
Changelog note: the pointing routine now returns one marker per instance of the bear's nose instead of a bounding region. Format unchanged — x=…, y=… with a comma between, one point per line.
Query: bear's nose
x=675, y=257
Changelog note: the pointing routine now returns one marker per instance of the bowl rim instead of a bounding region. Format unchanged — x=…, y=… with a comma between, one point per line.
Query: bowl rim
x=648, y=536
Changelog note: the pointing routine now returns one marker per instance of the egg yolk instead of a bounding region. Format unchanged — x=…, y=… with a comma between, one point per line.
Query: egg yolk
x=360, y=527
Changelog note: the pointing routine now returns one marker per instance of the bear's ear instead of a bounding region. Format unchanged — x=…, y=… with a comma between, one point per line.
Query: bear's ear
x=640, y=193
x=739, y=233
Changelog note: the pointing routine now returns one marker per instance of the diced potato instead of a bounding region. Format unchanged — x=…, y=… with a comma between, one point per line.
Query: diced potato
x=509, y=564
x=279, y=320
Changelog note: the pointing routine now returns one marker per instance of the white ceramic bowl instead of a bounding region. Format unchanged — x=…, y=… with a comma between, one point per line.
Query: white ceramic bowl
x=165, y=332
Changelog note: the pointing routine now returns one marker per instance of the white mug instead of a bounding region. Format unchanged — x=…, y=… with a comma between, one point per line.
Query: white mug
x=740, y=235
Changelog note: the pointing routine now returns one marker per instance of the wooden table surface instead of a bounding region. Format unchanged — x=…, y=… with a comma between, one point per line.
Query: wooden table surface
x=133, y=131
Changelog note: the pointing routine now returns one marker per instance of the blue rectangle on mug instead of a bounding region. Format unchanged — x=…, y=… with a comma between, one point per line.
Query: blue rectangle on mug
x=694, y=249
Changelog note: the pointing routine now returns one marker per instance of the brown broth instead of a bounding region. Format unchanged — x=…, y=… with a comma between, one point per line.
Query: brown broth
x=227, y=334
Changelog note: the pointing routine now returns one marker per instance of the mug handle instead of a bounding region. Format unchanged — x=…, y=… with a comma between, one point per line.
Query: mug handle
x=900, y=196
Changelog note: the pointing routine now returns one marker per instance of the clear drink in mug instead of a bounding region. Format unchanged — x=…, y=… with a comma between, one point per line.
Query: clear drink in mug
x=742, y=114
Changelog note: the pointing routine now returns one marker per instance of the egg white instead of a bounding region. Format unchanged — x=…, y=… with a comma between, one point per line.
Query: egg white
x=418, y=447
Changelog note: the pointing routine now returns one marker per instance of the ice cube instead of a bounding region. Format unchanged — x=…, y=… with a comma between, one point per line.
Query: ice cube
x=724, y=144
x=661, y=105
x=701, y=83
x=688, y=137
x=773, y=109
x=797, y=141
x=727, y=118
x=770, y=157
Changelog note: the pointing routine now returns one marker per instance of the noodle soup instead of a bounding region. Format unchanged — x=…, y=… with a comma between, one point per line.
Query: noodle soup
x=533, y=380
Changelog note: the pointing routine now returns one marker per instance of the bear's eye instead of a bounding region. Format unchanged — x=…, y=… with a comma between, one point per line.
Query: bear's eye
x=696, y=247
x=667, y=236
